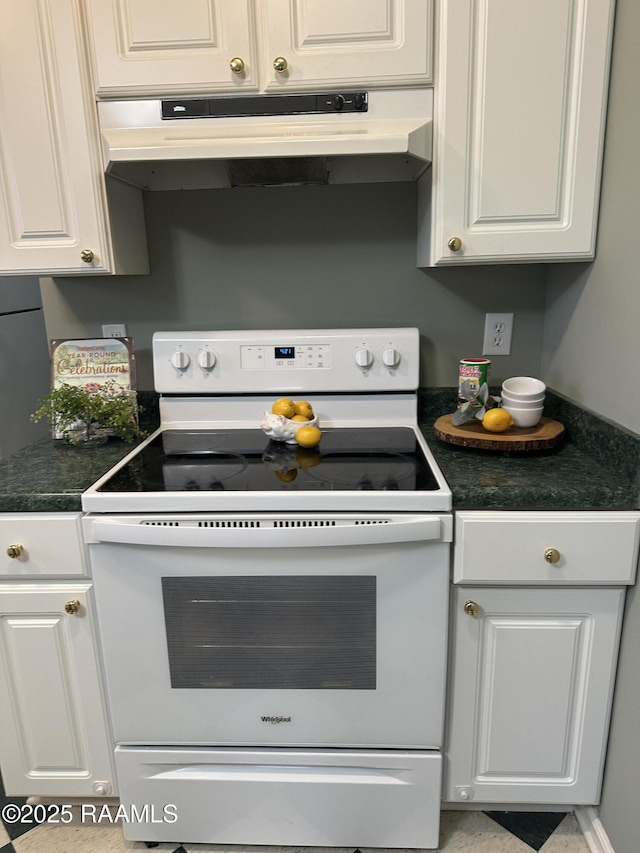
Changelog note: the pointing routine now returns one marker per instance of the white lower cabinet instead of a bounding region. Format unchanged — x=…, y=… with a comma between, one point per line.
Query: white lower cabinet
x=531, y=686
x=536, y=618
x=54, y=736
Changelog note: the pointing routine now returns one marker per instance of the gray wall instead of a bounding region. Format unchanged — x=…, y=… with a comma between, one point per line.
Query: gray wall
x=592, y=354
x=592, y=332
x=306, y=257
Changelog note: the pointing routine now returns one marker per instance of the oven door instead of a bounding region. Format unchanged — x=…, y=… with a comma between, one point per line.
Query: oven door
x=272, y=630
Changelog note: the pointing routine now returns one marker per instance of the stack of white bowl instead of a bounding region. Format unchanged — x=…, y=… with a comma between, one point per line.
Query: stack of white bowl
x=523, y=398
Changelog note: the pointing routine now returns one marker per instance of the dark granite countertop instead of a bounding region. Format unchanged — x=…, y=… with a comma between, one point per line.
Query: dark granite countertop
x=49, y=476
x=597, y=466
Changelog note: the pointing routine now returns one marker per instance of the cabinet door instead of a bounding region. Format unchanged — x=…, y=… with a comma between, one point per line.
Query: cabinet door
x=53, y=738
x=532, y=677
x=52, y=188
x=346, y=43
x=518, y=131
x=159, y=47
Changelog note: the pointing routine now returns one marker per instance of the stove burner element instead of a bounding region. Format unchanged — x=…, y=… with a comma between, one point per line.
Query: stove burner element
x=208, y=474
x=344, y=470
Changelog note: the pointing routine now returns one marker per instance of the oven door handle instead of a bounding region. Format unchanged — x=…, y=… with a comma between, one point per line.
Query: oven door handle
x=411, y=529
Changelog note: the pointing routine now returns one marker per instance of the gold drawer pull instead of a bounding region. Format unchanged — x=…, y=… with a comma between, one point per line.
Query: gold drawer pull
x=14, y=551
x=552, y=555
x=72, y=606
x=471, y=608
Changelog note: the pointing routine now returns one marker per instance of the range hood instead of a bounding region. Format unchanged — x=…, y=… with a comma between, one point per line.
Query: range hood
x=324, y=137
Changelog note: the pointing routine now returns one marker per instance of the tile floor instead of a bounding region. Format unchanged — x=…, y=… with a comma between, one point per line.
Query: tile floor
x=460, y=832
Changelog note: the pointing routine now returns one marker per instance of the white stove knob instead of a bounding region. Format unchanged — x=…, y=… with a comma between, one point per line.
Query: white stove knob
x=364, y=358
x=180, y=359
x=391, y=357
x=207, y=359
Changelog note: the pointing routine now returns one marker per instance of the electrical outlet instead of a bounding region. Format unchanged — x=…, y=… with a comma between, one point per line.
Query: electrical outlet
x=114, y=330
x=497, y=334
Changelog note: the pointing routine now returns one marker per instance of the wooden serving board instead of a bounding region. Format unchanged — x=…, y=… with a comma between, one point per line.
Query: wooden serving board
x=543, y=436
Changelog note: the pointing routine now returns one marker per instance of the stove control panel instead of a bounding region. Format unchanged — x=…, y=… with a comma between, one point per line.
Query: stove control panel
x=278, y=361
x=307, y=356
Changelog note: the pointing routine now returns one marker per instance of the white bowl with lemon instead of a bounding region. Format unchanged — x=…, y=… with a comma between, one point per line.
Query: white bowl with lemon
x=293, y=422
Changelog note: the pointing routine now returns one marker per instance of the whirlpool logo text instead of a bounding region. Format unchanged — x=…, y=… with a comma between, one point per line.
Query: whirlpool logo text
x=276, y=719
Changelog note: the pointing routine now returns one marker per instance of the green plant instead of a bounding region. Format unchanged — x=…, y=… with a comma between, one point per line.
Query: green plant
x=74, y=411
x=478, y=402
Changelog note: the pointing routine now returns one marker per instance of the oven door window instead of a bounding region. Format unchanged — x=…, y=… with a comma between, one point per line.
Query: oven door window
x=290, y=632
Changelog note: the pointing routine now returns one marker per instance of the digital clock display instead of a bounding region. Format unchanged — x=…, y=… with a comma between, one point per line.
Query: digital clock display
x=285, y=352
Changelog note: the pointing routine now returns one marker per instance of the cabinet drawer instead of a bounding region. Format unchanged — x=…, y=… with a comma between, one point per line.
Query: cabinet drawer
x=48, y=544
x=509, y=547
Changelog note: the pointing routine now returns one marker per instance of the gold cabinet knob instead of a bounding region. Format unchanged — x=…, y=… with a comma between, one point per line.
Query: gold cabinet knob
x=280, y=64
x=551, y=555
x=236, y=65
x=14, y=551
x=471, y=608
x=455, y=244
x=72, y=606
x=87, y=255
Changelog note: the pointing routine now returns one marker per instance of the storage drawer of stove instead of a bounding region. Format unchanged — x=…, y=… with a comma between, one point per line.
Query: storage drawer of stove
x=332, y=798
x=35, y=544
x=559, y=548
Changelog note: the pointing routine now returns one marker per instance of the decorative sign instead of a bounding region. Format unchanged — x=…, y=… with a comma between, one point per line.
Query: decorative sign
x=94, y=362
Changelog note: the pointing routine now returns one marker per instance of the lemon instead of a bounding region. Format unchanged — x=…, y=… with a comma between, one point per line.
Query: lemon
x=304, y=408
x=299, y=418
x=308, y=436
x=284, y=406
x=497, y=420
x=308, y=458
x=287, y=476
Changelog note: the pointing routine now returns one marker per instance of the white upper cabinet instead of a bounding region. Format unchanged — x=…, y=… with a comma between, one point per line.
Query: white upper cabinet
x=518, y=131
x=157, y=47
x=54, y=213
x=347, y=43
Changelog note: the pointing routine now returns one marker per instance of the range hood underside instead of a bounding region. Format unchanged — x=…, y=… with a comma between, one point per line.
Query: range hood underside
x=285, y=171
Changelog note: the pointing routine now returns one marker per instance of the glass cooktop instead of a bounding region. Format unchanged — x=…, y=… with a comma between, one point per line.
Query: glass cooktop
x=376, y=458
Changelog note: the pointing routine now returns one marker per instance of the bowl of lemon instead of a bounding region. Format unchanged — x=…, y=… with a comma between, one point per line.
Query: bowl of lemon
x=293, y=422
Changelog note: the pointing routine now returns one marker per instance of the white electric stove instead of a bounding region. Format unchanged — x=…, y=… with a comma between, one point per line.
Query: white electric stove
x=273, y=618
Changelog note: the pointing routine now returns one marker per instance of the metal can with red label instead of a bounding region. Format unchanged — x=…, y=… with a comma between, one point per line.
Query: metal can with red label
x=476, y=372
